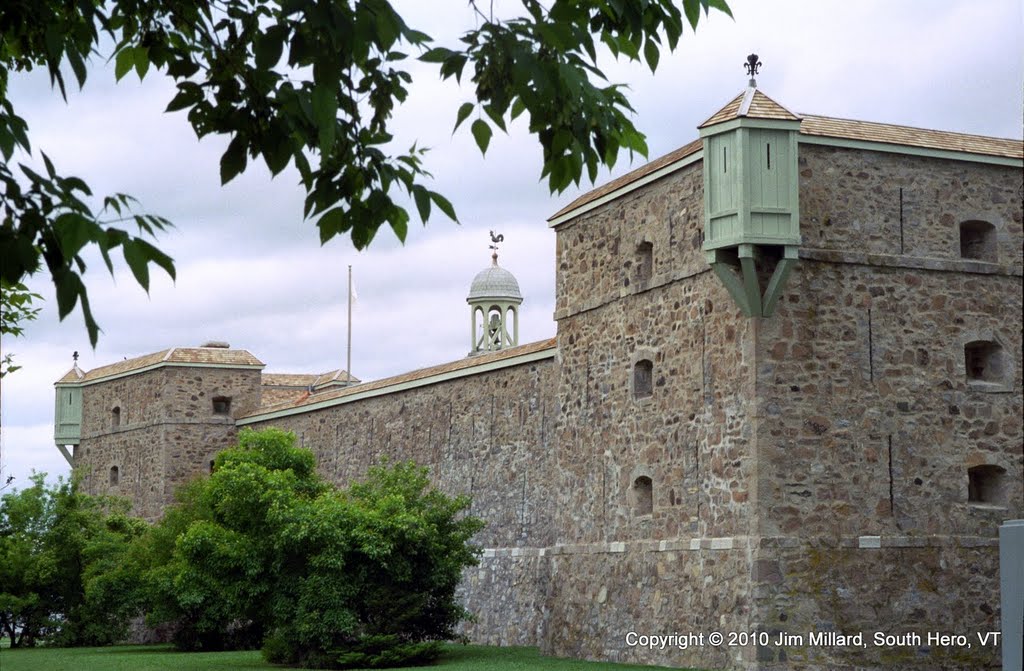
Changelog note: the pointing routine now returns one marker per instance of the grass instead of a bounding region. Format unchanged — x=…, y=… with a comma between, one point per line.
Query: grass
x=163, y=658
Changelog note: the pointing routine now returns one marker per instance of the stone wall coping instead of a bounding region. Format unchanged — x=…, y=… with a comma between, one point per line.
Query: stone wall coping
x=742, y=543
x=138, y=426
x=910, y=262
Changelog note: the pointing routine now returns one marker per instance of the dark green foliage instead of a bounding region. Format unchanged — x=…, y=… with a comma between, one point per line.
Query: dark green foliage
x=264, y=551
x=16, y=308
x=314, y=85
x=56, y=544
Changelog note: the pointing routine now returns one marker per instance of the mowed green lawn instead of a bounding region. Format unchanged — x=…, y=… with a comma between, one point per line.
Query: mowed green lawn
x=162, y=658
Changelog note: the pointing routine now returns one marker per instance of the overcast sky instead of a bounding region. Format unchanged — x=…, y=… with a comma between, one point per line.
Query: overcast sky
x=251, y=272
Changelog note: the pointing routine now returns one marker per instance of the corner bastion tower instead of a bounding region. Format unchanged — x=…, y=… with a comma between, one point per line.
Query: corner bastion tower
x=783, y=404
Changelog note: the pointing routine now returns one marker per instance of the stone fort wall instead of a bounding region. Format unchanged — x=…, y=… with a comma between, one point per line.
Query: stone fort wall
x=677, y=467
x=488, y=435
x=164, y=434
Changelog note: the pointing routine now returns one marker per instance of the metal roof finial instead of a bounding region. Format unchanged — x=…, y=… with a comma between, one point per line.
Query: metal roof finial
x=495, y=239
x=753, y=66
x=75, y=356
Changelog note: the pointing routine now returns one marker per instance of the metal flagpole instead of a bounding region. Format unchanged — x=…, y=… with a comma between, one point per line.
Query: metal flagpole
x=348, y=362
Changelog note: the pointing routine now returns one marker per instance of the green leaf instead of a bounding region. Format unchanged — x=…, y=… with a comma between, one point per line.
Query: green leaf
x=482, y=133
x=141, y=58
x=77, y=65
x=422, y=198
x=464, y=111
x=73, y=231
x=652, y=54
x=332, y=223
x=692, y=9
x=721, y=6
x=444, y=205
x=136, y=259
x=400, y=226
x=325, y=113
x=189, y=94
x=124, y=62
x=268, y=46
x=233, y=161
x=437, y=55
x=518, y=107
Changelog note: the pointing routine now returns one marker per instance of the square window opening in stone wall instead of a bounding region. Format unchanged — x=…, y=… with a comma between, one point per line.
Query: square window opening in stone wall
x=115, y=475
x=643, y=496
x=115, y=417
x=978, y=241
x=986, y=485
x=984, y=362
x=643, y=378
x=644, y=261
x=221, y=405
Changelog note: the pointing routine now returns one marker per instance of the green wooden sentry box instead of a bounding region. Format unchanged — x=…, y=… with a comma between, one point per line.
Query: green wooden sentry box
x=67, y=415
x=751, y=183
x=751, y=197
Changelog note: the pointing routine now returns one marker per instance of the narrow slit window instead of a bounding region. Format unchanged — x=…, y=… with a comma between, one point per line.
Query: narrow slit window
x=115, y=417
x=115, y=475
x=643, y=496
x=768, y=148
x=643, y=378
x=644, y=261
x=725, y=159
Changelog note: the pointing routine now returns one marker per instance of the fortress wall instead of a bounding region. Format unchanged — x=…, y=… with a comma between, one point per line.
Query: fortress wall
x=682, y=566
x=489, y=435
x=868, y=423
x=166, y=434
x=863, y=200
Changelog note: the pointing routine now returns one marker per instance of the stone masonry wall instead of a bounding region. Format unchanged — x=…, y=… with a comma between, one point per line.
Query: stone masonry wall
x=868, y=423
x=167, y=433
x=489, y=435
x=682, y=566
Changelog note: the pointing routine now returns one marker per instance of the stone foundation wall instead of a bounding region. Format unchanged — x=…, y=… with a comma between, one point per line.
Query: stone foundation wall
x=899, y=588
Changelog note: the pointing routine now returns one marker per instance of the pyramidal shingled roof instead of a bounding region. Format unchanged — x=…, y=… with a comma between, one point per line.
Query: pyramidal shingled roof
x=752, y=104
x=182, y=356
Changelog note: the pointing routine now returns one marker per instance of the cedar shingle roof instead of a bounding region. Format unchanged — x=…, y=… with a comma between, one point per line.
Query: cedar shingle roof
x=176, y=355
x=461, y=364
x=630, y=177
x=870, y=131
x=761, y=106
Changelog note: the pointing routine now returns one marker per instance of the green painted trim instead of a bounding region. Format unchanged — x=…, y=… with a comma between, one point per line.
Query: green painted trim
x=749, y=122
x=910, y=150
x=154, y=366
x=728, y=276
x=749, y=256
x=402, y=386
x=779, y=278
x=754, y=240
x=632, y=186
x=66, y=454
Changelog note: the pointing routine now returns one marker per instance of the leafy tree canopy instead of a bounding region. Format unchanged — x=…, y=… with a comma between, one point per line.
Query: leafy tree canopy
x=314, y=85
x=55, y=542
x=263, y=551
